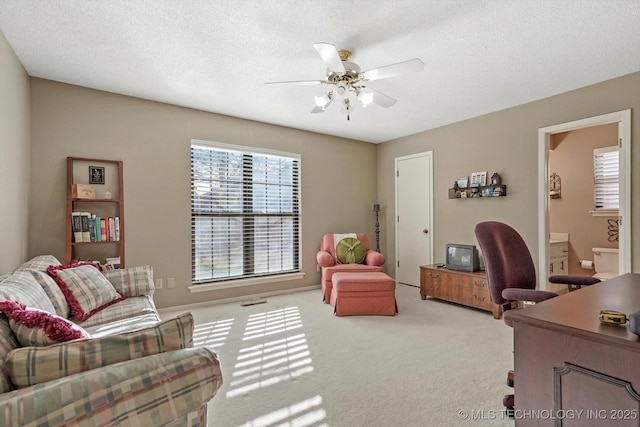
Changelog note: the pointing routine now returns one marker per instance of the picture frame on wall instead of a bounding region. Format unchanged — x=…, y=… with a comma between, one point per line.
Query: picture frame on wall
x=96, y=175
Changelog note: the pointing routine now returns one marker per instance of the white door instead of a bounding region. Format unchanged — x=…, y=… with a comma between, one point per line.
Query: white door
x=414, y=216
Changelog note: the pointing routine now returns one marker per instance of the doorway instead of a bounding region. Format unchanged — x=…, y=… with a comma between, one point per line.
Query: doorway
x=414, y=216
x=623, y=121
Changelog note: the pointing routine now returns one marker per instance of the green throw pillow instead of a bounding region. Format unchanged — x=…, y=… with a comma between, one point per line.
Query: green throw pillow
x=350, y=251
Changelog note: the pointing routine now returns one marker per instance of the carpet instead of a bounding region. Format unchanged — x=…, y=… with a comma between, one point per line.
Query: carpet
x=290, y=362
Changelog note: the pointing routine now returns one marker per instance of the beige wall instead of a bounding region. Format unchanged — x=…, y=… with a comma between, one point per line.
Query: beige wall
x=152, y=139
x=572, y=159
x=14, y=159
x=505, y=141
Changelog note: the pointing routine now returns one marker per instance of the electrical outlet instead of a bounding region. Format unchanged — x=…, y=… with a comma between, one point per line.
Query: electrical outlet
x=158, y=283
x=170, y=282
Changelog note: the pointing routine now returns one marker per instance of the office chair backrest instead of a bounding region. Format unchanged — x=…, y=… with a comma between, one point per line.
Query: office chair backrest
x=507, y=259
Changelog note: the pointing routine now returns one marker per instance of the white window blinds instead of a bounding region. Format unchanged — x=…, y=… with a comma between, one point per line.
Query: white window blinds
x=606, y=178
x=245, y=212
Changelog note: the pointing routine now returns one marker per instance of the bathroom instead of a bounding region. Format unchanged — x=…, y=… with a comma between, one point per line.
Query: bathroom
x=571, y=210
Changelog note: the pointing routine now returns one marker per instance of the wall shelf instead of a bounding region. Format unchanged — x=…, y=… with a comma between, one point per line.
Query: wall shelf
x=484, y=191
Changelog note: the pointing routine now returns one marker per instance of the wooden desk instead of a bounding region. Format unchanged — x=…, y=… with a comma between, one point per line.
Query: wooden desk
x=572, y=370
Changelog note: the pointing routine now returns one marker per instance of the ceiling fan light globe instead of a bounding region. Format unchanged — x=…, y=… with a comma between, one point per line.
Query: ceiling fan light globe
x=365, y=98
x=341, y=90
x=322, y=101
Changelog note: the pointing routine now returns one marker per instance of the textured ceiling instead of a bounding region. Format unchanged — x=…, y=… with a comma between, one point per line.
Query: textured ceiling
x=480, y=55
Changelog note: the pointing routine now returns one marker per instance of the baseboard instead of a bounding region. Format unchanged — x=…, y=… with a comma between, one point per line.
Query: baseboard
x=237, y=299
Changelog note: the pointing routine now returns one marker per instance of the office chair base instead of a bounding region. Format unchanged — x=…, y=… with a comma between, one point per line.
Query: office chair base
x=508, y=403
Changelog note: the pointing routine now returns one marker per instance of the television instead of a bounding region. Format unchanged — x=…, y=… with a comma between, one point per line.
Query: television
x=462, y=257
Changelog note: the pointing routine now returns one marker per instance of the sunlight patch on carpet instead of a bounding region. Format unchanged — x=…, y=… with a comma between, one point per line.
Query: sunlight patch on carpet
x=212, y=334
x=308, y=412
x=272, y=322
x=270, y=359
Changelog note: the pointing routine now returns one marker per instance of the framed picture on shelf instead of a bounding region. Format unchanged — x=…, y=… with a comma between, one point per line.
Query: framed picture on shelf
x=96, y=175
x=463, y=182
x=479, y=179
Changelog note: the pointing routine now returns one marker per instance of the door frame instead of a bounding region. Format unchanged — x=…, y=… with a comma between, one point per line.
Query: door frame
x=623, y=118
x=397, y=160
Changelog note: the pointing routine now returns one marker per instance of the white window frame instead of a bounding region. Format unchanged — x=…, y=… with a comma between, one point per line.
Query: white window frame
x=253, y=279
x=606, y=171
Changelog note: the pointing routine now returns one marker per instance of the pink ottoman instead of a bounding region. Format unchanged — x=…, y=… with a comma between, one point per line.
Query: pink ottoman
x=363, y=293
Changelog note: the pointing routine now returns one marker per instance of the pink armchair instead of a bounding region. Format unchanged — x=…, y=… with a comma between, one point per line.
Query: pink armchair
x=330, y=264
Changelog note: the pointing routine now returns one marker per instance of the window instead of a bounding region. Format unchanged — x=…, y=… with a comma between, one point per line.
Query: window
x=606, y=178
x=245, y=212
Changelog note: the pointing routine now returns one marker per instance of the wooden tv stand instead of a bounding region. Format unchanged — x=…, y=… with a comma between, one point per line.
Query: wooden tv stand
x=461, y=287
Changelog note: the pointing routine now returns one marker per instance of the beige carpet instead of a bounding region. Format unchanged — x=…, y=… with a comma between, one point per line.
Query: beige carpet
x=291, y=362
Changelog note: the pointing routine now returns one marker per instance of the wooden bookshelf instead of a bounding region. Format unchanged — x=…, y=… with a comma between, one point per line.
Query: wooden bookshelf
x=78, y=172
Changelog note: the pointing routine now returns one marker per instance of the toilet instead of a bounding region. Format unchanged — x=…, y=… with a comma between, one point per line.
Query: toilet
x=605, y=261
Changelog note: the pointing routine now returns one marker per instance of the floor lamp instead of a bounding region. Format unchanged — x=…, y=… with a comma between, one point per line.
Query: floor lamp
x=376, y=209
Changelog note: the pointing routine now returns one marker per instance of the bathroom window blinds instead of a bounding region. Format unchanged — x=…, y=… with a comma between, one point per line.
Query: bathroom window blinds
x=606, y=178
x=245, y=212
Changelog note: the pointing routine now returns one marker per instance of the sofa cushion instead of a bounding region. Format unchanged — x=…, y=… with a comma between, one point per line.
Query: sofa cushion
x=350, y=251
x=37, y=266
x=39, y=263
x=85, y=288
x=128, y=315
x=33, y=327
x=53, y=291
x=8, y=342
x=132, y=281
x=21, y=286
x=33, y=365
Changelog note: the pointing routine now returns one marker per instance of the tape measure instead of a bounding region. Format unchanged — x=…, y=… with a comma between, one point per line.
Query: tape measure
x=613, y=317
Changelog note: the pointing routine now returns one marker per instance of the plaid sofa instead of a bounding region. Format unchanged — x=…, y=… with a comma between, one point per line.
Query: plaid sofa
x=132, y=370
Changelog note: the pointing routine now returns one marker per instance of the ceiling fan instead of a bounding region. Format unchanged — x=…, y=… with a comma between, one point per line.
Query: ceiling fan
x=347, y=82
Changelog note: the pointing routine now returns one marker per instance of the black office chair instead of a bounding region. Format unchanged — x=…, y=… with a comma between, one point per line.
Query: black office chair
x=511, y=275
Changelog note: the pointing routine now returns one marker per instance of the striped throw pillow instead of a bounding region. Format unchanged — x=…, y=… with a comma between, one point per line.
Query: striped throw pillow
x=85, y=288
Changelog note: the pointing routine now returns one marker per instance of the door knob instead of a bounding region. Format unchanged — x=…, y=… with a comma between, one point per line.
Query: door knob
x=425, y=231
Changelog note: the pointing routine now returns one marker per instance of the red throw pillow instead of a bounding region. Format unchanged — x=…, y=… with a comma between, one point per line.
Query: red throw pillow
x=34, y=327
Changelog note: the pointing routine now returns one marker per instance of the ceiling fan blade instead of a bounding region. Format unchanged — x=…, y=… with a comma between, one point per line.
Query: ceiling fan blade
x=298, y=83
x=381, y=99
x=393, y=70
x=330, y=56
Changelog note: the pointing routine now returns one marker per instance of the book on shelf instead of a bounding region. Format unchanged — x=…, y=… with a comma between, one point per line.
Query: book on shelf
x=113, y=263
x=103, y=229
x=96, y=224
x=112, y=229
x=116, y=221
x=76, y=225
x=92, y=228
x=86, y=234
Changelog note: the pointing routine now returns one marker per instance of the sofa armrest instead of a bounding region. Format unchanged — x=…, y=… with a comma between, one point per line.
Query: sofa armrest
x=149, y=391
x=374, y=258
x=325, y=259
x=133, y=281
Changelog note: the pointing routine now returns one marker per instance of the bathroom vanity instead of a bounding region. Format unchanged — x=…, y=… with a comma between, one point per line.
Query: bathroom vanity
x=558, y=260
